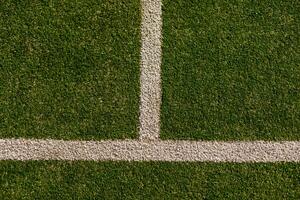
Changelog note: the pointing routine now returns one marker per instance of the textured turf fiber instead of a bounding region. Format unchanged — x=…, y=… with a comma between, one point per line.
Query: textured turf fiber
x=69, y=69
x=137, y=180
x=231, y=70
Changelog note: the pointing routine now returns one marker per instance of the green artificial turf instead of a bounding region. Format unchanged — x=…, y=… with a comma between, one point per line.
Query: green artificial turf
x=69, y=69
x=231, y=70
x=153, y=180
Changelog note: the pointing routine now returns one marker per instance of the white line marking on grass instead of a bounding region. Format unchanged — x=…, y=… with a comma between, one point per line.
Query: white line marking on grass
x=134, y=150
x=150, y=70
x=149, y=147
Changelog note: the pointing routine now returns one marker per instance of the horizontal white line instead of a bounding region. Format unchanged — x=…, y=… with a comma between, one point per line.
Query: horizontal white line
x=134, y=150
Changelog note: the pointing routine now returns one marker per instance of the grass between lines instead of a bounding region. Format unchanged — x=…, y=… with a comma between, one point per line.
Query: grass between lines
x=69, y=69
x=231, y=70
x=140, y=180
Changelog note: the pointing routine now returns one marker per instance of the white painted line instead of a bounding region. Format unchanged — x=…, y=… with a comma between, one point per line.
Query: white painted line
x=149, y=147
x=150, y=70
x=134, y=150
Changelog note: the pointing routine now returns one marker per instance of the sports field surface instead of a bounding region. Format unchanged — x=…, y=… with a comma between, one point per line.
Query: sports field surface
x=148, y=180
x=149, y=99
x=60, y=78
x=231, y=70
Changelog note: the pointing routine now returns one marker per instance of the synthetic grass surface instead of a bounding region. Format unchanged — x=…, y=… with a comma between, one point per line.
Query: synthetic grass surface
x=69, y=69
x=137, y=180
x=231, y=70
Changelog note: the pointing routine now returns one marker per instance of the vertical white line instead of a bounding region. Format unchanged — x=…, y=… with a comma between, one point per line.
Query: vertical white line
x=150, y=80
